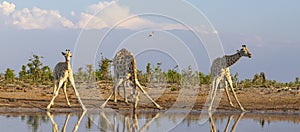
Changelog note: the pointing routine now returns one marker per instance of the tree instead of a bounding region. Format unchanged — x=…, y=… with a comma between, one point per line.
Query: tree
x=188, y=77
x=148, y=72
x=142, y=78
x=158, y=74
x=297, y=82
x=90, y=72
x=46, y=74
x=247, y=83
x=204, y=79
x=9, y=75
x=263, y=77
x=256, y=79
x=173, y=76
x=34, y=66
x=104, y=65
x=79, y=76
x=23, y=73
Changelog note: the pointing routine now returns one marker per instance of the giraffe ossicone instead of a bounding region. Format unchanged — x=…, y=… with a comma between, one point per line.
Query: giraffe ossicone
x=220, y=72
x=62, y=73
x=125, y=75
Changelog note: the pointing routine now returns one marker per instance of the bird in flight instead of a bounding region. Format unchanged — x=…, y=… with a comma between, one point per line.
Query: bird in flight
x=151, y=34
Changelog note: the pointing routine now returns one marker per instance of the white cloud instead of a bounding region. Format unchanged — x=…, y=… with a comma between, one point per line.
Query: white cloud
x=37, y=18
x=109, y=14
x=95, y=8
x=97, y=16
x=7, y=8
x=88, y=21
x=34, y=18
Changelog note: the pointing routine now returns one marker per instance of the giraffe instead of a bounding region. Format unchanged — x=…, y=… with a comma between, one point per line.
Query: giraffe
x=62, y=73
x=220, y=72
x=125, y=74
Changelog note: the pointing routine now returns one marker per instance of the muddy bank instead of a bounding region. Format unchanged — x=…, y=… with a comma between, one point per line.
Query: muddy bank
x=18, y=99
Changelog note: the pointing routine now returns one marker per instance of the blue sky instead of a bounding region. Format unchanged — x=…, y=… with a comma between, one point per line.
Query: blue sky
x=269, y=28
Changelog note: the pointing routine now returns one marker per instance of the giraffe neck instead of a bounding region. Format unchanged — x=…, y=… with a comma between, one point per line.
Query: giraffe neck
x=68, y=65
x=232, y=59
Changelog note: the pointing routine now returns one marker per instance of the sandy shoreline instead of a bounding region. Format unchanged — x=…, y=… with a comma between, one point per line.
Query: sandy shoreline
x=35, y=99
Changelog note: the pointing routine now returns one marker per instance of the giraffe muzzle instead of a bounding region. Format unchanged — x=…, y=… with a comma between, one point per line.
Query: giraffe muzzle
x=250, y=55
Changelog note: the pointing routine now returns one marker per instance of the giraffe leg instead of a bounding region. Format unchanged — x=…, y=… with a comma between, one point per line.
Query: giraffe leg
x=61, y=81
x=113, y=92
x=65, y=92
x=237, y=121
x=136, y=100
x=79, y=120
x=54, y=125
x=103, y=105
x=227, y=93
x=212, y=124
x=228, y=122
x=116, y=88
x=146, y=125
x=234, y=95
x=105, y=120
x=124, y=88
x=214, y=90
x=54, y=89
x=211, y=92
x=76, y=92
x=66, y=122
x=144, y=92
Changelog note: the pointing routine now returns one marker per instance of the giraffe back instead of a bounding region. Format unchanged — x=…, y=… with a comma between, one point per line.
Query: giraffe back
x=123, y=65
x=218, y=67
x=59, y=70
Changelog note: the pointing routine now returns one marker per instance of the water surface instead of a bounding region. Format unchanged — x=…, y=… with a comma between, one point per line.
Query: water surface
x=149, y=121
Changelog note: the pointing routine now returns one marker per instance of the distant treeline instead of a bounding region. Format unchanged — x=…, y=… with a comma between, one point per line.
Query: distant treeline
x=34, y=72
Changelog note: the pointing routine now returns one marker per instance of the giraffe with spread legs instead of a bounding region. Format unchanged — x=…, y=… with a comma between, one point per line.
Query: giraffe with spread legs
x=125, y=75
x=220, y=72
x=62, y=73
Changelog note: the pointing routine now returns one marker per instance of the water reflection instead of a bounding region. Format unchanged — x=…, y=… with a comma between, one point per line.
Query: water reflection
x=33, y=121
x=126, y=121
x=54, y=124
x=213, y=126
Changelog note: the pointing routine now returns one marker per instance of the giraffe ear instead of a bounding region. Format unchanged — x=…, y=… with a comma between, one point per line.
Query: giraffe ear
x=63, y=53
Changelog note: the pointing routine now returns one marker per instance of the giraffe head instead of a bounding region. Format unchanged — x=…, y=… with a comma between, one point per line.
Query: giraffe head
x=67, y=55
x=244, y=51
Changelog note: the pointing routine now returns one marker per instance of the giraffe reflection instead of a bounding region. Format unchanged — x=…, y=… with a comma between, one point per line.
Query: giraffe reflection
x=130, y=122
x=55, y=126
x=213, y=126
